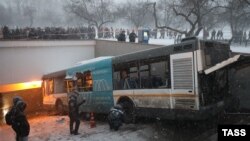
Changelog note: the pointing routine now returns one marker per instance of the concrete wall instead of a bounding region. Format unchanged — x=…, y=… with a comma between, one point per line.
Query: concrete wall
x=22, y=61
x=114, y=48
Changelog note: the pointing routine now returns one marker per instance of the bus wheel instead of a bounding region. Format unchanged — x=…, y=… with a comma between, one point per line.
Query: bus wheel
x=59, y=107
x=129, y=112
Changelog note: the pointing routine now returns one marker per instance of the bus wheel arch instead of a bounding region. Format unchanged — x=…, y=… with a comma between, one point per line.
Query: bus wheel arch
x=128, y=107
x=59, y=107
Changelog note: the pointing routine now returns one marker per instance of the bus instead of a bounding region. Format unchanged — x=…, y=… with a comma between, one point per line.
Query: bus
x=188, y=80
x=54, y=92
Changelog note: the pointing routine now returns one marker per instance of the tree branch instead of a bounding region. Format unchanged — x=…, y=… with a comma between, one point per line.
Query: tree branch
x=184, y=16
x=167, y=27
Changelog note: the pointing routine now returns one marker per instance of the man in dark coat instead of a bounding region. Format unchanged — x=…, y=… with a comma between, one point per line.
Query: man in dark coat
x=6, y=32
x=122, y=36
x=213, y=35
x=73, y=112
x=132, y=36
x=20, y=123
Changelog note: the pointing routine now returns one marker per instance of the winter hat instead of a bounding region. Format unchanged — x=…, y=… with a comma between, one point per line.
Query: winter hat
x=16, y=99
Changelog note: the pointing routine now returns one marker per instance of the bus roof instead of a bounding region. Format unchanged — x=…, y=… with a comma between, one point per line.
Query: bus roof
x=60, y=73
x=186, y=45
x=155, y=52
x=95, y=60
x=91, y=64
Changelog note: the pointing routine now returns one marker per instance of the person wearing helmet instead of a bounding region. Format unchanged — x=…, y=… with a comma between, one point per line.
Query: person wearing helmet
x=115, y=117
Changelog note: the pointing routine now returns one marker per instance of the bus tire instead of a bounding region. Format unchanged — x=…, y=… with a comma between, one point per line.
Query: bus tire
x=129, y=111
x=59, y=107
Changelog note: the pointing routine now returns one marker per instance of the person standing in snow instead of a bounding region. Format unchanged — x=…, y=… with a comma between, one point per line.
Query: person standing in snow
x=122, y=36
x=213, y=35
x=132, y=36
x=18, y=120
x=73, y=112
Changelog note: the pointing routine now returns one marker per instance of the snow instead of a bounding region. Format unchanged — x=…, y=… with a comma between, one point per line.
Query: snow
x=240, y=49
x=167, y=41
x=56, y=128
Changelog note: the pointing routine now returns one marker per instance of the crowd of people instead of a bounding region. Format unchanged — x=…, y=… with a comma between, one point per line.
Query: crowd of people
x=48, y=33
x=165, y=33
x=89, y=33
x=85, y=33
x=238, y=37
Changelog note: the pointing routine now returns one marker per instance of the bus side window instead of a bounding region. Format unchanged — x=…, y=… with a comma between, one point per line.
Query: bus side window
x=125, y=81
x=116, y=80
x=70, y=85
x=144, y=75
x=155, y=73
x=79, y=81
x=125, y=76
x=50, y=86
x=88, y=81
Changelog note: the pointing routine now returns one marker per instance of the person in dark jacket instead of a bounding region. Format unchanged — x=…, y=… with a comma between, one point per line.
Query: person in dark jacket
x=115, y=117
x=122, y=36
x=132, y=36
x=73, y=112
x=20, y=123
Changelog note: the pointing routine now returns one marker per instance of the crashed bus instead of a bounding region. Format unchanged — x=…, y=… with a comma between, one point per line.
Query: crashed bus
x=188, y=80
x=54, y=92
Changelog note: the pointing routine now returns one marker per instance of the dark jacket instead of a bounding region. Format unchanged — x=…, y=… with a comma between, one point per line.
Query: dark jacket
x=20, y=123
x=74, y=107
x=122, y=37
x=132, y=37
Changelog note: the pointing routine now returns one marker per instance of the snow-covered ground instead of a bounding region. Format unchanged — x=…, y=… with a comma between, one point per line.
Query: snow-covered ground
x=56, y=128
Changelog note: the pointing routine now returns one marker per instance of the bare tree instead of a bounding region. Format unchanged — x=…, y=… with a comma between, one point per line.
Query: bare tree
x=29, y=12
x=97, y=13
x=237, y=14
x=137, y=12
x=19, y=4
x=192, y=11
x=166, y=15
